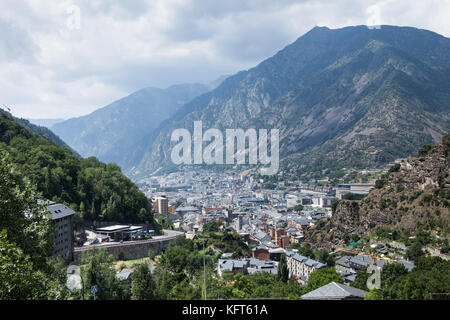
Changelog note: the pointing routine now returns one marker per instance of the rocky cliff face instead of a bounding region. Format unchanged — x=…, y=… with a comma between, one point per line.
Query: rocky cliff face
x=350, y=97
x=415, y=193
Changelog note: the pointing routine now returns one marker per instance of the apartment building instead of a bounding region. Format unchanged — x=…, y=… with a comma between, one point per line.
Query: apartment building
x=299, y=265
x=161, y=205
x=63, y=238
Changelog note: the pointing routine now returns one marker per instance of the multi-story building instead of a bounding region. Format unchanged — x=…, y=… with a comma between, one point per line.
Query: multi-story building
x=299, y=265
x=261, y=253
x=278, y=236
x=361, y=189
x=284, y=241
x=63, y=238
x=161, y=205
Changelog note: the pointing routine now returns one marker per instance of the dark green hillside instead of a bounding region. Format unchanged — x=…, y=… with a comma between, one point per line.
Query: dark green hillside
x=98, y=191
x=43, y=131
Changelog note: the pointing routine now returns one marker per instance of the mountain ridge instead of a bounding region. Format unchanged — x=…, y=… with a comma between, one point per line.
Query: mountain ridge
x=112, y=132
x=317, y=89
x=41, y=130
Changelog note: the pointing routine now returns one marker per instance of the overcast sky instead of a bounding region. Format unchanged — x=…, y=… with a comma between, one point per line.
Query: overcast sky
x=60, y=59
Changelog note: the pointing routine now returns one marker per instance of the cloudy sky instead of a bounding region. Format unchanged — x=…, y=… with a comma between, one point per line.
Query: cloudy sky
x=60, y=59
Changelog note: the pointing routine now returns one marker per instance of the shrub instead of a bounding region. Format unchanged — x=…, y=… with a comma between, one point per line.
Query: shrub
x=352, y=196
x=446, y=140
x=380, y=183
x=425, y=149
x=394, y=168
x=415, y=195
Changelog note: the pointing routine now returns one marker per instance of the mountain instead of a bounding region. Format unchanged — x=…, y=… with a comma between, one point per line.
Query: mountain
x=45, y=122
x=350, y=97
x=413, y=196
x=43, y=131
x=96, y=191
x=115, y=132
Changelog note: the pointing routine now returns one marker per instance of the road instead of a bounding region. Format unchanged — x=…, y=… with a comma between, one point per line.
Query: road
x=168, y=235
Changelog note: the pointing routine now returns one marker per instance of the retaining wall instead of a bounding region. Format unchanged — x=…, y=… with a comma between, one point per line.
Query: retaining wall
x=130, y=249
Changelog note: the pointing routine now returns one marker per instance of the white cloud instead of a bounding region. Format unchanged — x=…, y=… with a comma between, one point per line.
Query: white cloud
x=49, y=70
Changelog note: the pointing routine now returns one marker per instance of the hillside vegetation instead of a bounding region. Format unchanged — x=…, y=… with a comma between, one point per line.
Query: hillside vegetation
x=412, y=198
x=96, y=190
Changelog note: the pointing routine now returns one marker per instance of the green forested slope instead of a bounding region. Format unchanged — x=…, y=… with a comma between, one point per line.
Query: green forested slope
x=96, y=190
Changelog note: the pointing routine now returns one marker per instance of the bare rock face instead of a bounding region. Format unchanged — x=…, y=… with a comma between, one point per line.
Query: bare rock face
x=351, y=97
x=415, y=193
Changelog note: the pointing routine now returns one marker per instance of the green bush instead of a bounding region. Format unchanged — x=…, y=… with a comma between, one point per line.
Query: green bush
x=446, y=140
x=380, y=183
x=425, y=149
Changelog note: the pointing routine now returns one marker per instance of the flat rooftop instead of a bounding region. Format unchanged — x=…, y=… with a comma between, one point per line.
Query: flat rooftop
x=118, y=228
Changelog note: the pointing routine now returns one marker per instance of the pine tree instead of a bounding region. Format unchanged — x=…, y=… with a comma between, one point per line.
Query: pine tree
x=143, y=283
x=283, y=272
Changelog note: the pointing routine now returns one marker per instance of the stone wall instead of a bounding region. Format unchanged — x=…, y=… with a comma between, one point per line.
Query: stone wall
x=129, y=250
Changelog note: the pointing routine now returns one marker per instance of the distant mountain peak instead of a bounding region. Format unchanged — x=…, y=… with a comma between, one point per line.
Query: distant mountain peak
x=334, y=94
x=115, y=132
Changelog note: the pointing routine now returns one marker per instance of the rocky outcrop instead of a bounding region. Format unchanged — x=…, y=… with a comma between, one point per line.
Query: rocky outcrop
x=414, y=193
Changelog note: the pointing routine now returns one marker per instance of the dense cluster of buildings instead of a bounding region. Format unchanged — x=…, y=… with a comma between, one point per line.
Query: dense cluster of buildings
x=268, y=220
x=348, y=266
x=246, y=266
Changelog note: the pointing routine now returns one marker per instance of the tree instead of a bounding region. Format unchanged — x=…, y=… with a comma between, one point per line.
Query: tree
x=390, y=275
x=425, y=149
x=165, y=281
x=151, y=254
x=322, y=277
x=175, y=259
x=430, y=279
x=242, y=287
x=98, y=270
x=414, y=252
x=97, y=190
x=351, y=196
x=185, y=291
x=143, y=285
x=324, y=257
x=290, y=290
x=27, y=223
x=374, y=294
x=306, y=250
x=18, y=278
x=25, y=245
x=361, y=279
x=283, y=272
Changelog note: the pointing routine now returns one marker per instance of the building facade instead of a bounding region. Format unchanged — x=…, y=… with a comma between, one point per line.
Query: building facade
x=161, y=205
x=63, y=237
x=300, y=265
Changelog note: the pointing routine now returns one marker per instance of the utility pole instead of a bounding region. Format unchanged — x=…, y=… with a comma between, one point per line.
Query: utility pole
x=204, y=268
